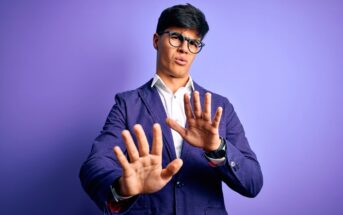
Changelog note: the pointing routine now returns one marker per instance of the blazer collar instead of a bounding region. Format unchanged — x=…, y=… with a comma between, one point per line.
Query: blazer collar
x=153, y=103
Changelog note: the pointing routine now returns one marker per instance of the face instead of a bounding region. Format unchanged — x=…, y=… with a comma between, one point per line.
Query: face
x=173, y=62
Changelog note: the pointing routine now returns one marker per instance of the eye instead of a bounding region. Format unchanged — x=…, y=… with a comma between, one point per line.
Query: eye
x=194, y=43
x=174, y=35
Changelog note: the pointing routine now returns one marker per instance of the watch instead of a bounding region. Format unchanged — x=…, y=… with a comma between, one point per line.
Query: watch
x=220, y=152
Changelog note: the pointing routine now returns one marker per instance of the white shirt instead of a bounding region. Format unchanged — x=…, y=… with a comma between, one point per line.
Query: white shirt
x=174, y=106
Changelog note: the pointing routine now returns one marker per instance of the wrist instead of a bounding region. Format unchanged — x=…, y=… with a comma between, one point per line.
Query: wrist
x=118, y=184
x=117, y=191
x=215, y=147
x=220, y=152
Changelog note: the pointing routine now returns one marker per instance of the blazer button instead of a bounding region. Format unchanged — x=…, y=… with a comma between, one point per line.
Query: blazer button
x=179, y=184
x=232, y=164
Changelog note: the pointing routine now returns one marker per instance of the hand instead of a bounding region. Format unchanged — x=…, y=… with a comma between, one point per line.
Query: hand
x=201, y=132
x=144, y=173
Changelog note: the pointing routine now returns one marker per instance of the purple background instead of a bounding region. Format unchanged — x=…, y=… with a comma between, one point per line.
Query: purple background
x=279, y=62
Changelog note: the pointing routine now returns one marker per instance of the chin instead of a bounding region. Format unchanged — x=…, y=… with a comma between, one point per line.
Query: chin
x=181, y=74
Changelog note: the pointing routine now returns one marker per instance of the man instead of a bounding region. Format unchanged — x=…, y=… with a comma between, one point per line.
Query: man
x=181, y=151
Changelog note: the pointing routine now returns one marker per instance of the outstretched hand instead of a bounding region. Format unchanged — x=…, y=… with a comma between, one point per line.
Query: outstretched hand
x=201, y=131
x=144, y=173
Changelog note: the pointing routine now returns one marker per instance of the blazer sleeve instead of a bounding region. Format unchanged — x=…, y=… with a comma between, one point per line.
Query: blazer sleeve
x=102, y=168
x=241, y=171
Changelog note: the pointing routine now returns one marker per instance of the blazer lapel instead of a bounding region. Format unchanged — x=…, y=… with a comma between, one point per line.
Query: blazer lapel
x=152, y=101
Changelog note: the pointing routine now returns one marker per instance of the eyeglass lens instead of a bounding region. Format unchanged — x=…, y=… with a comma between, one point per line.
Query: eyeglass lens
x=176, y=39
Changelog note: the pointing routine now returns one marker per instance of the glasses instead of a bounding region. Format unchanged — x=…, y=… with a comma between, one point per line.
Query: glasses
x=176, y=40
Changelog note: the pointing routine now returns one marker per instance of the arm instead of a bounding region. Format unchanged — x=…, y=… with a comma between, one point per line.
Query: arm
x=141, y=173
x=102, y=168
x=241, y=170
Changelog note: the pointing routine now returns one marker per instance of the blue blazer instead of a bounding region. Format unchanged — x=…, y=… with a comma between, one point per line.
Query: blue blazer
x=197, y=187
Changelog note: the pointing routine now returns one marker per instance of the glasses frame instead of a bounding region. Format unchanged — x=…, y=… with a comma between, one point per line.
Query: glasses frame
x=183, y=39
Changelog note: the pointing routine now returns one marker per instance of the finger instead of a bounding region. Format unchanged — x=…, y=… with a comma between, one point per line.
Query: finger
x=130, y=146
x=217, y=117
x=206, y=115
x=143, y=145
x=188, y=108
x=124, y=163
x=176, y=126
x=172, y=168
x=157, y=143
x=197, y=105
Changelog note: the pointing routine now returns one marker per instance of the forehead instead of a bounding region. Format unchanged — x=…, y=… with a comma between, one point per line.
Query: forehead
x=187, y=32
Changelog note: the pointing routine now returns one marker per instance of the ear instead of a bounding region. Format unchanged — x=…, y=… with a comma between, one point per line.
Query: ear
x=155, y=41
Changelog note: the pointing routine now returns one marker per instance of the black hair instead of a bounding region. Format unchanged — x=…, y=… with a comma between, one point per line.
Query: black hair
x=183, y=16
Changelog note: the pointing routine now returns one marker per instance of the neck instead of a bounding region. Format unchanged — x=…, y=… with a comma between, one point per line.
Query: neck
x=173, y=83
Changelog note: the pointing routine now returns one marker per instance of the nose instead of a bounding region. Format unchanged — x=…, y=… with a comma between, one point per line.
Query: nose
x=183, y=48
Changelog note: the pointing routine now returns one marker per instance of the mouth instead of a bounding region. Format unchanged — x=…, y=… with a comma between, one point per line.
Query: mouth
x=180, y=61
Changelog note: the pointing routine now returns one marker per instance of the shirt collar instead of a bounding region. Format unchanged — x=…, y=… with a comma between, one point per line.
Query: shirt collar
x=158, y=82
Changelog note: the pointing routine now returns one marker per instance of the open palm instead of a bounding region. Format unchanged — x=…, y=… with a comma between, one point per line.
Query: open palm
x=144, y=173
x=201, y=131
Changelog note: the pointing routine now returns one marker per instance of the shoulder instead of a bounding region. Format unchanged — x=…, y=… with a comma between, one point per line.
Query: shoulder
x=133, y=94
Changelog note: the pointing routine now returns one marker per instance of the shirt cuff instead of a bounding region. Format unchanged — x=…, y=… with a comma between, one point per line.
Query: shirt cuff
x=117, y=203
x=214, y=162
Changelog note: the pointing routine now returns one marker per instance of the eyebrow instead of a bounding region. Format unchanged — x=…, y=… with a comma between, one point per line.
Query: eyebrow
x=185, y=36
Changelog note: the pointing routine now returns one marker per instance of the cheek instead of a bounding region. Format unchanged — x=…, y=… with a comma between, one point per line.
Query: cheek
x=165, y=51
x=162, y=56
x=167, y=56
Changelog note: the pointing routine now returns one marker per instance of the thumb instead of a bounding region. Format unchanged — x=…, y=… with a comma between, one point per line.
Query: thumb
x=176, y=126
x=172, y=168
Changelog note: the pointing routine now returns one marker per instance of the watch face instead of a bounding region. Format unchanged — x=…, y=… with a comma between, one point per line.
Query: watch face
x=221, y=153
x=217, y=154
